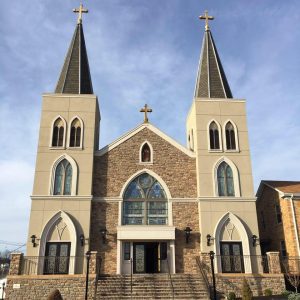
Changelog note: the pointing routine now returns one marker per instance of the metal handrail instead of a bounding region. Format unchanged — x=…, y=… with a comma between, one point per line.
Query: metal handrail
x=170, y=277
x=204, y=276
x=131, y=270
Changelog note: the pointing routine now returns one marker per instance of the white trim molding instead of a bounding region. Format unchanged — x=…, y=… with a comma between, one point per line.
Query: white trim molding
x=243, y=236
x=81, y=135
x=74, y=174
x=61, y=215
x=220, y=136
x=235, y=173
x=236, y=136
x=151, y=153
x=51, y=133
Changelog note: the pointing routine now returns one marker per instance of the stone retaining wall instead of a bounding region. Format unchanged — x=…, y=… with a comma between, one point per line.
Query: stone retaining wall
x=38, y=287
x=257, y=282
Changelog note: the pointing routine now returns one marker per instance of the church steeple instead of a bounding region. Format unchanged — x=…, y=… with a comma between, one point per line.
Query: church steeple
x=75, y=77
x=211, y=79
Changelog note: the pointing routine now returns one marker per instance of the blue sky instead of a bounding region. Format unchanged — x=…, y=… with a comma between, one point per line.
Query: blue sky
x=143, y=51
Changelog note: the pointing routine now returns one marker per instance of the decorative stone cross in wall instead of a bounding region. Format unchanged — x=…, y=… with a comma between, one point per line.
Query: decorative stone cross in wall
x=206, y=17
x=80, y=11
x=145, y=110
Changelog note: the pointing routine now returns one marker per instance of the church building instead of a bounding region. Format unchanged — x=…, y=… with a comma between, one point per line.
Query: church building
x=144, y=203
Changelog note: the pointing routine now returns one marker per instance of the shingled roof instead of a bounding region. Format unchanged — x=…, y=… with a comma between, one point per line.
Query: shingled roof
x=75, y=77
x=284, y=186
x=211, y=79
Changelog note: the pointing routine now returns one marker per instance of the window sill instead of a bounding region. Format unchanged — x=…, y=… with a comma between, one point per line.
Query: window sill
x=145, y=163
x=74, y=148
x=57, y=148
x=215, y=150
x=232, y=151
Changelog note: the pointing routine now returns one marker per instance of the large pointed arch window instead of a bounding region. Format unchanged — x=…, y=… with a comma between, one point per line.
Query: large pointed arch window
x=230, y=137
x=145, y=202
x=63, y=178
x=75, y=134
x=58, y=133
x=225, y=180
x=214, y=136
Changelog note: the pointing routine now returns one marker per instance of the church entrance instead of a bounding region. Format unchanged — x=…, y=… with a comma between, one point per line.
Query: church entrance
x=145, y=257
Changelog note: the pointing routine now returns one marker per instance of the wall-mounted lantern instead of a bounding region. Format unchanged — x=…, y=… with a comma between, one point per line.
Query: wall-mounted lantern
x=187, y=231
x=103, y=234
x=81, y=238
x=208, y=239
x=254, y=240
x=33, y=239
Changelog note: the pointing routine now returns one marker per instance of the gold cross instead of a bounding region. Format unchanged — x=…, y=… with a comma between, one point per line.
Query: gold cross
x=206, y=17
x=145, y=110
x=80, y=11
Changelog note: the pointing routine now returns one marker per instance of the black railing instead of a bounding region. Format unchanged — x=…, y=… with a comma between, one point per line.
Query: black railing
x=50, y=265
x=170, y=279
x=203, y=270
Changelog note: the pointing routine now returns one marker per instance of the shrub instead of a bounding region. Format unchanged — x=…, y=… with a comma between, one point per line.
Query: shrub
x=231, y=296
x=268, y=292
x=294, y=296
x=55, y=295
x=247, y=293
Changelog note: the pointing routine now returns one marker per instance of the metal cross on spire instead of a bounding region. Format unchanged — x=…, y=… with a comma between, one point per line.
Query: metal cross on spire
x=145, y=110
x=206, y=17
x=80, y=11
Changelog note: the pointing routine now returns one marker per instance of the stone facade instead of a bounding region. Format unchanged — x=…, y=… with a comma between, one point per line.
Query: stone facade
x=186, y=214
x=113, y=169
x=105, y=215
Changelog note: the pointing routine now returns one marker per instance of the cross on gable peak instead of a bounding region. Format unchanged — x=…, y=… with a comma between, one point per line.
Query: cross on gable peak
x=80, y=11
x=146, y=109
x=206, y=17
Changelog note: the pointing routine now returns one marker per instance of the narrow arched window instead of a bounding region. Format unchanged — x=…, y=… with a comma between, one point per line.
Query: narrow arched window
x=214, y=136
x=230, y=137
x=58, y=133
x=63, y=178
x=225, y=180
x=146, y=153
x=75, y=134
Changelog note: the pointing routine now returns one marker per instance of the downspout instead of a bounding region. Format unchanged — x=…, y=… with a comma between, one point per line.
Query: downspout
x=295, y=224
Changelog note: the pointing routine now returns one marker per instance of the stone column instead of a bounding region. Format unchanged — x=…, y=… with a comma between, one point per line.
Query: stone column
x=94, y=263
x=274, y=262
x=15, y=264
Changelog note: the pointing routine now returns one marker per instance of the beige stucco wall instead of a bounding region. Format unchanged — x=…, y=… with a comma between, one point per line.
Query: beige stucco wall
x=78, y=206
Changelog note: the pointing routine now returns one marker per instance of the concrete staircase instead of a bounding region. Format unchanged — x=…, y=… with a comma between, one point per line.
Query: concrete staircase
x=152, y=286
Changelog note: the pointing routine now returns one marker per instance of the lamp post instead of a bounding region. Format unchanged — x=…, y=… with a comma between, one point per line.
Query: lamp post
x=88, y=256
x=187, y=231
x=212, y=256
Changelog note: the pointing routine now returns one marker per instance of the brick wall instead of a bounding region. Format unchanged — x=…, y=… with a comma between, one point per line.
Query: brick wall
x=113, y=169
x=272, y=231
x=186, y=214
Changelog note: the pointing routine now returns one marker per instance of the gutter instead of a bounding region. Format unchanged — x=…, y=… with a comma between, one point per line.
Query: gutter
x=291, y=198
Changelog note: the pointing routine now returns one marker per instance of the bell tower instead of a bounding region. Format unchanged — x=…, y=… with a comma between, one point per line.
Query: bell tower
x=217, y=132
x=68, y=139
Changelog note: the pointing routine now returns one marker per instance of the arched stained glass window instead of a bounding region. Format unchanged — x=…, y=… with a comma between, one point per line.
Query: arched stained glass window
x=230, y=137
x=145, y=202
x=225, y=180
x=146, y=153
x=75, y=135
x=214, y=136
x=63, y=178
x=58, y=133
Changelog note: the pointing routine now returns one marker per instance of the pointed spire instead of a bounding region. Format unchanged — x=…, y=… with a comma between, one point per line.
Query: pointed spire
x=211, y=79
x=75, y=77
